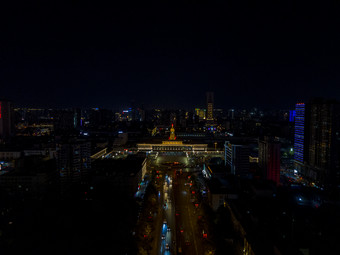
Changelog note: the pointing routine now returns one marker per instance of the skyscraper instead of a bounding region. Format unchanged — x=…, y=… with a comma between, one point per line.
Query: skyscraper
x=299, y=136
x=323, y=155
x=269, y=159
x=210, y=107
x=6, y=120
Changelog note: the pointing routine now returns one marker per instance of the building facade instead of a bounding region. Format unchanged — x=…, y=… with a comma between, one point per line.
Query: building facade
x=73, y=161
x=172, y=145
x=269, y=159
x=323, y=142
x=237, y=158
x=210, y=107
x=299, y=136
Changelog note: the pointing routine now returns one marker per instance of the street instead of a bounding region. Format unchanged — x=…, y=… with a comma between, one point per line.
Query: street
x=177, y=232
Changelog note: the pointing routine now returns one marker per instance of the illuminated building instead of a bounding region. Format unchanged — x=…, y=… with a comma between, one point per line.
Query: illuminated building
x=323, y=158
x=172, y=145
x=299, y=136
x=201, y=113
x=237, y=158
x=269, y=159
x=6, y=120
x=210, y=106
x=73, y=160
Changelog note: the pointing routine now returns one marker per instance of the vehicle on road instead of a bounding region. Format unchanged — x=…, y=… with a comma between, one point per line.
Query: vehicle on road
x=163, y=237
x=167, y=247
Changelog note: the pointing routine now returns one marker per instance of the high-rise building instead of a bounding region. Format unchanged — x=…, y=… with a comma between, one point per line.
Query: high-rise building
x=77, y=122
x=323, y=142
x=299, y=136
x=210, y=106
x=237, y=158
x=73, y=160
x=6, y=120
x=269, y=159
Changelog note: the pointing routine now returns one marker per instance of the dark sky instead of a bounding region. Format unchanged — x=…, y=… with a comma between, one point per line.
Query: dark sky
x=87, y=54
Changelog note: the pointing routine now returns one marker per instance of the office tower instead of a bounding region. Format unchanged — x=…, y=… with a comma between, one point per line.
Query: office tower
x=323, y=156
x=269, y=159
x=77, y=122
x=210, y=106
x=6, y=120
x=299, y=136
x=237, y=158
x=73, y=160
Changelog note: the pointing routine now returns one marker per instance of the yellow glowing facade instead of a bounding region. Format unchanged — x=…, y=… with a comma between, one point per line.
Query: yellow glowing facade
x=172, y=145
x=172, y=133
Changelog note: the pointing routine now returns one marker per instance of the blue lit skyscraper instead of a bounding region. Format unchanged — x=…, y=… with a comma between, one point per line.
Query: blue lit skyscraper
x=299, y=133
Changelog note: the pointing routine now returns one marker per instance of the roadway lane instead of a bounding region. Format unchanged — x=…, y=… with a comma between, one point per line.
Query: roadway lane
x=167, y=237
x=175, y=197
x=158, y=242
x=187, y=236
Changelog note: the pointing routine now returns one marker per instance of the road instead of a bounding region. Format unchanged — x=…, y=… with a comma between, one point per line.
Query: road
x=178, y=231
x=186, y=220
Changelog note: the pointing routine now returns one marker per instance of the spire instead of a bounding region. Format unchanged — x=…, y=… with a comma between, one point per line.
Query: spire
x=172, y=133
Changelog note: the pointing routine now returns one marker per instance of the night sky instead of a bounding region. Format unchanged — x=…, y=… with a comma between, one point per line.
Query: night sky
x=96, y=55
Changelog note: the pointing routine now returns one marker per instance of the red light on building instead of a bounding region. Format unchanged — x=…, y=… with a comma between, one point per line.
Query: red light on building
x=205, y=235
x=193, y=192
x=196, y=205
